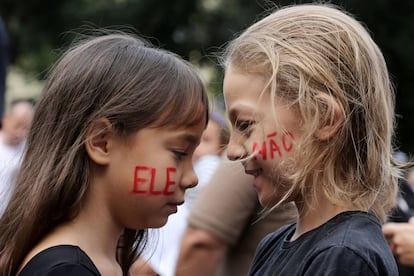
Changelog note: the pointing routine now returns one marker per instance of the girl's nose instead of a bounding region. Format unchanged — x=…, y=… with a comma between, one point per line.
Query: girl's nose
x=190, y=179
x=235, y=150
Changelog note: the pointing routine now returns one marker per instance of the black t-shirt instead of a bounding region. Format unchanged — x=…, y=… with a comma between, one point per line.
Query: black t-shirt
x=349, y=244
x=60, y=260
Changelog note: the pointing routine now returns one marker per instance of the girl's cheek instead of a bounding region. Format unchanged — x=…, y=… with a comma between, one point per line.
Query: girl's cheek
x=275, y=145
x=147, y=180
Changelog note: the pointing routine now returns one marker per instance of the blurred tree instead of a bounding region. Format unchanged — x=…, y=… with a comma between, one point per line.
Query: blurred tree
x=392, y=27
x=197, y=30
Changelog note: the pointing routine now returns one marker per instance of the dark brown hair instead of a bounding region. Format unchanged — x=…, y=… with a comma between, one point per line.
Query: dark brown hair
x=114, y=76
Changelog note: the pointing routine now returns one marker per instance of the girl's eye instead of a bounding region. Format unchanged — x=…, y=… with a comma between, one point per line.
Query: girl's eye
x=243, y=126
x=180, y=155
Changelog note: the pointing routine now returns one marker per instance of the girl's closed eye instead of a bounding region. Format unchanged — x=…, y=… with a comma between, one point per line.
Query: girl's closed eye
x=180, y=155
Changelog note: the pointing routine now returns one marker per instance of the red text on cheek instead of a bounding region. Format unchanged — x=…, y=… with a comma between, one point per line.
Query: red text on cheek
x=144, y=178
x=272, y=146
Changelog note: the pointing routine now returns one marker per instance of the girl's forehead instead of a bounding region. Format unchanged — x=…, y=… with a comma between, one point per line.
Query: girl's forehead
x=246, y=104
x=248, y=87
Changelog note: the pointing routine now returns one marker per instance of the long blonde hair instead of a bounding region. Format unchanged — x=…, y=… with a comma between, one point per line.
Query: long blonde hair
x=306, y=51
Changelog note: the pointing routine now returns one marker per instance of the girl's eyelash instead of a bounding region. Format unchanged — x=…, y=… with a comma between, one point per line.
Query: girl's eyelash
x=180, y=155
x=243, y=126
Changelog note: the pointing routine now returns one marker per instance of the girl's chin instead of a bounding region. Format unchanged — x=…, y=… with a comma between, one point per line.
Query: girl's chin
x=266, y=201
x=158, y=224
x=264, y=192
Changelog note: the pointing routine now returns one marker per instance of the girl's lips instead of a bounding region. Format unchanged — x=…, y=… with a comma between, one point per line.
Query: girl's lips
x=174, y=206
x=176, y=203
x=254, y=172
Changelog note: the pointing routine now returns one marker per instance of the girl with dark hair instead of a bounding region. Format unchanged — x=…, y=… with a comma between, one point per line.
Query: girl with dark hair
x=109, y=154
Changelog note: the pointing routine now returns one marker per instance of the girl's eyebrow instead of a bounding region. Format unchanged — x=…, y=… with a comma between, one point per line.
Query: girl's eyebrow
x=235, y=111
x=190, y=138
x=233, y=114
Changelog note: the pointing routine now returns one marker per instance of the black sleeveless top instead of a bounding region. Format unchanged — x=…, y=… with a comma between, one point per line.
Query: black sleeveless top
x=60, y=260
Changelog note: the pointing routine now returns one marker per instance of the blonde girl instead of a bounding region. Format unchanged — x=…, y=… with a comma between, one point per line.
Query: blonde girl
x=312, y=110
x=109, y=155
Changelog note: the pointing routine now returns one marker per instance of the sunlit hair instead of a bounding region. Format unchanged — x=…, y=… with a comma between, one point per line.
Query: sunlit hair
x=115, y=76
x=308, y=52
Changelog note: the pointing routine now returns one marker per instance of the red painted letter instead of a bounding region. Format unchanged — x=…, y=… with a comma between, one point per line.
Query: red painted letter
x=152, y=190
x=262, y=151
x=169, y=182
x=287, y=147
x=274, y=147
x=139, y=180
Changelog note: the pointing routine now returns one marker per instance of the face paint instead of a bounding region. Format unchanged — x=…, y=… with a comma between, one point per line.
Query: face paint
x=273, y=146
x=144, y=178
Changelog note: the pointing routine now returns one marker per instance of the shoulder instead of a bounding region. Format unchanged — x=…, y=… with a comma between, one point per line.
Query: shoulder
x=352, y=242
x=349, y=244
x=358, y=231
x=60, y=260
x=354, y=229
x=345, y=260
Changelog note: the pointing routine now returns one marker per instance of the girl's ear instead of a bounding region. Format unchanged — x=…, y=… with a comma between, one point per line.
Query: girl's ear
x=98, y=140
x=332, y=117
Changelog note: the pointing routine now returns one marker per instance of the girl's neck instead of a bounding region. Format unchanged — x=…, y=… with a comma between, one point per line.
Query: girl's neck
x=310, y=218
x=94, y=231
